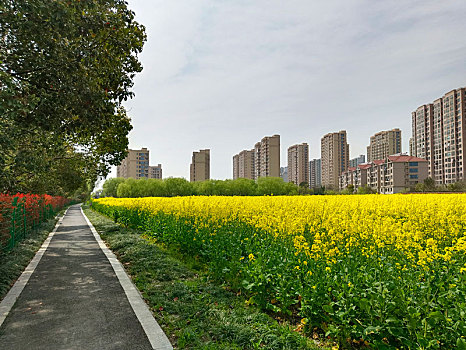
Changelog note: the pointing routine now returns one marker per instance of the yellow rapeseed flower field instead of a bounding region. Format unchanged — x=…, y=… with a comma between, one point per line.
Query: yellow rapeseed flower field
x=372, y=267
x=424, y=227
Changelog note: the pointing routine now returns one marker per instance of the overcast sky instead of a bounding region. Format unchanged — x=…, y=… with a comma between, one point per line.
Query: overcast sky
x=223, y=74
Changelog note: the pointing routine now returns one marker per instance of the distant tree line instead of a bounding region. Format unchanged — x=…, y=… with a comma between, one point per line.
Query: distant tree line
x=171, y=187
x=429, y=185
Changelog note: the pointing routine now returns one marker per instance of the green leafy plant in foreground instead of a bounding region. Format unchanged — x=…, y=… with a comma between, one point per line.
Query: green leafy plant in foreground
x=194, y=312
x=385, y=299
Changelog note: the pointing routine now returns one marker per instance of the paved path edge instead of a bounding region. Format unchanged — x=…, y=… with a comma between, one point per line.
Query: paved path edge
x=10, y=299
x=155, y=334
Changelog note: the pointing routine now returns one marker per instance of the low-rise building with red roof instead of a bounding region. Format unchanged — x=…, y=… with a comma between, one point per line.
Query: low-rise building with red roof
x=395, y=174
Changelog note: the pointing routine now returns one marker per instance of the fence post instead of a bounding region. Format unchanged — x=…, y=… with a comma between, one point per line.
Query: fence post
x=12, y=229
x=25, y=226
x=13, y=222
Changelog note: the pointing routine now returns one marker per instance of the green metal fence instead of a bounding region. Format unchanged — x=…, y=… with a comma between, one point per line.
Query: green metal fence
x=20, y=216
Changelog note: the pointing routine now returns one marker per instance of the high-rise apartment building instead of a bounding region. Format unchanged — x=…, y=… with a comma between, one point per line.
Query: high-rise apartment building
x=243, y=165
x=263, y=160
x=135, y=165
x=315, y=173
x=246, y=164
x=269, y=157
x=298, y=164
x=334, y=151
x=439, y=136
x=200, y=166
x=412, y=150
x=422, y=120
x=353, y=163
x=235, y=166
x=384, y=144
x=257, y=157
x=437, y=162
x=155, y=172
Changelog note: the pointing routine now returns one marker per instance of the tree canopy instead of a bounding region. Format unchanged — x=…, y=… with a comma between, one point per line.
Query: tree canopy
x=65, y=69
x=172, y=187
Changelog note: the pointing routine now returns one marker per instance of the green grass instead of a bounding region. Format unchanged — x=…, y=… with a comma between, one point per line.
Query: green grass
x=194, y=312
x=13, y=262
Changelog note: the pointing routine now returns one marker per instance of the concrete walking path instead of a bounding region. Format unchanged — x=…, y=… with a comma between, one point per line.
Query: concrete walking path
x=75, y=300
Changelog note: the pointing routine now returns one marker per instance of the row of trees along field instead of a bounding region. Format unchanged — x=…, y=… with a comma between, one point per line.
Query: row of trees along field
x=65, y=69
x=172, y=187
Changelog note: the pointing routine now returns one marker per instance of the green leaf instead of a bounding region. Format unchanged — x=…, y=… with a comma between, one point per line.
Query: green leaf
x=461, y=344
x=371, y=330
x=364, y=304
x=436, y=315
x=327, y=308
x=392, y=320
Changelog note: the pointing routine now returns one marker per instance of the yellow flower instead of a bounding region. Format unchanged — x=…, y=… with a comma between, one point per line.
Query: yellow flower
x=422, y=234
